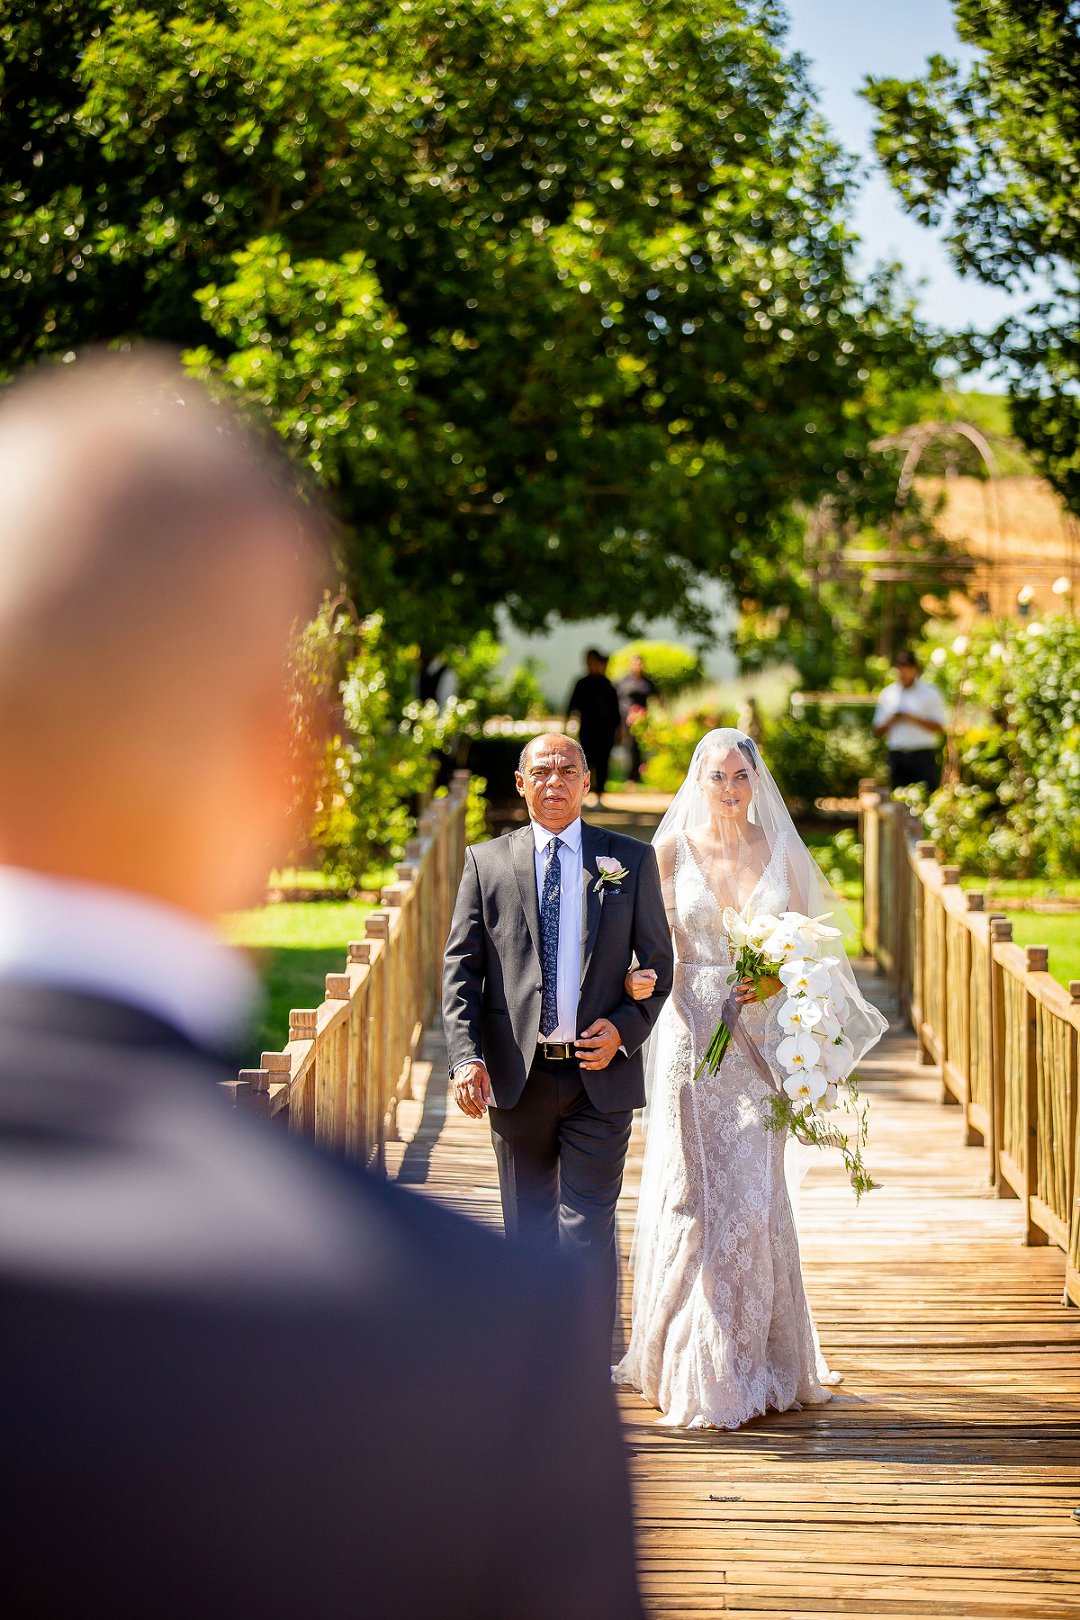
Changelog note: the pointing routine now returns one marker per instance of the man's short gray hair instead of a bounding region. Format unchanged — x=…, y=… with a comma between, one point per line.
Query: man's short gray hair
x=571, y=742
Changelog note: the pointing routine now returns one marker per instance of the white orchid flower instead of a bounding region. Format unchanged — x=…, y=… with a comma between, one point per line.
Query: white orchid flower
x=760, y=930
x=799, y=1012
x=801, y=977
x=819, y=928
x=829, y=1099
x=838, y=1002
x=808, y=1087
x=830, y=1027
x=838, y=1058
x=736, y=927
x=785, y=943
x=799, y=1052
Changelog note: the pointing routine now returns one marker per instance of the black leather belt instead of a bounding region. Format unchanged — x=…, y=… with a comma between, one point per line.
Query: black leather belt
x=556, y=1051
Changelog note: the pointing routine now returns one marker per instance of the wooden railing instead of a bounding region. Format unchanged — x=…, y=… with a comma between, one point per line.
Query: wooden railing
x=1004, y=1032
x=346, y=1065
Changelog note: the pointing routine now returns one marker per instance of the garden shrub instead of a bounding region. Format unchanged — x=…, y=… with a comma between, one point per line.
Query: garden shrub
x=492, y=690
x=818, y=753
x=671, y=668
x=385, y=755
x=1014, y=806
x=668, y=740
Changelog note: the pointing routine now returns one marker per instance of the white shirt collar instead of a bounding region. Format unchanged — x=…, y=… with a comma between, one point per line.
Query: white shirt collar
x=124, y=947
x=571, y=836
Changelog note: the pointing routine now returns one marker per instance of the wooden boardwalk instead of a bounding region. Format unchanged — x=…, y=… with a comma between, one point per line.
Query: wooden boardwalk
x=941, y=1480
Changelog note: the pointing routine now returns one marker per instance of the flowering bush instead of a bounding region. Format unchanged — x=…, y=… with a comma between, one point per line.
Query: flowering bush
x=382, y=757
x=1011, y=803
x=668, y=742
x=820, y=753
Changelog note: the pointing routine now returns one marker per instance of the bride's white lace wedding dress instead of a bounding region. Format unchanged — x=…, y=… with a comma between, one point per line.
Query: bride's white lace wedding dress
x=721, y=1328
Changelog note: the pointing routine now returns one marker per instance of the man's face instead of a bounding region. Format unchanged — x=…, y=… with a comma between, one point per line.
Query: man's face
x=596, y=666
x=553, y=783
x=907, y=674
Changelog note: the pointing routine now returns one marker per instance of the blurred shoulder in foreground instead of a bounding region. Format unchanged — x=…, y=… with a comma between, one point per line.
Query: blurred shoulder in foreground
x=239, y=1379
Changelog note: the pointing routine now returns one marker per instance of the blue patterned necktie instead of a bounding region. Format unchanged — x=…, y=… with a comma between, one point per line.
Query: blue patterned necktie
x=549, y=940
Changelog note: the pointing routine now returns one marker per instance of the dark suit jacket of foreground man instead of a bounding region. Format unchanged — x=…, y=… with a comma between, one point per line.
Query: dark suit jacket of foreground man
x=492, y=982
x=238, y=1381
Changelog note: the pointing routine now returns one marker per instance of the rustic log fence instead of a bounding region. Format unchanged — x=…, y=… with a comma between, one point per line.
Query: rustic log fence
x=1004, y=1032
x=347, y=1063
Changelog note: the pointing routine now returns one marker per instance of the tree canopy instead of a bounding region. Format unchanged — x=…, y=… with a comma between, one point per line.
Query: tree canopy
x=994, y=150
x=555, y=296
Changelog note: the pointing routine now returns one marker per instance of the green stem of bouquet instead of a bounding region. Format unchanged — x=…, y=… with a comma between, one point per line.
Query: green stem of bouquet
x=748, y=965
x=784, y=1115
x=714, y=1052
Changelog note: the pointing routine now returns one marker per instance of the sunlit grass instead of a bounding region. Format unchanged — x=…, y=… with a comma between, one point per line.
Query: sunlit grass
x=294, y=944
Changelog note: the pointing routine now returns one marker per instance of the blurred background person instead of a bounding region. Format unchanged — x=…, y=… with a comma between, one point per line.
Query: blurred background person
x=749, y=720
x=911, y=716
x=202, y=1321
x=596, y=703
x=634, y=690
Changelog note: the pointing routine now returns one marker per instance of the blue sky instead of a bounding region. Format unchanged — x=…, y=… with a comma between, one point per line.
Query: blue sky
x=844, y=40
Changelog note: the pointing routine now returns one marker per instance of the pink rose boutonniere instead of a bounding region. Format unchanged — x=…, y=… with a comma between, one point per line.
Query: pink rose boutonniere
x=611, y=874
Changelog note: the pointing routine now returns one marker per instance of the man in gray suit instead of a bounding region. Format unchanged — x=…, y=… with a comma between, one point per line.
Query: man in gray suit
x=238, y=1379
x=542, y=1033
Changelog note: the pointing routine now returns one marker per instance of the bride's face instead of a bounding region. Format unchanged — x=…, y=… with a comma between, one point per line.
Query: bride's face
x=728, y=782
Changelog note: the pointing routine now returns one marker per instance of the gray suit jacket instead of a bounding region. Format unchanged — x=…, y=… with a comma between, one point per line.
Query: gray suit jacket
x=492, y=980
x=240, y=1380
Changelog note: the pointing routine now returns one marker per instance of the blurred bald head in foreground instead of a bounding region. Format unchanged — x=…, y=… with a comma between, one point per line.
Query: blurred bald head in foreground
x=199, y=1317
x=153, y=555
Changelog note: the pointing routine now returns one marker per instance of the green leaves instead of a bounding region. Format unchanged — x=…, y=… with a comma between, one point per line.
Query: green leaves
x=556, y=299
x=994, y=150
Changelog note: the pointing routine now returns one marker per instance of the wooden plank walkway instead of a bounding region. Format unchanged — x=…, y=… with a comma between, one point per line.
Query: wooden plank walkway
x=942, y=1478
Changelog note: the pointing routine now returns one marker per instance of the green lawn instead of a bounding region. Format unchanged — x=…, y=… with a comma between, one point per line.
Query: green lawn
x=1023, y=888
x=1061, y=933
x=295, y=945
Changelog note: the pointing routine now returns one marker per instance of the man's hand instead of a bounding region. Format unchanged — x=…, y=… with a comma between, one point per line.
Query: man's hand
x=598, y=1045
x=472, y=1089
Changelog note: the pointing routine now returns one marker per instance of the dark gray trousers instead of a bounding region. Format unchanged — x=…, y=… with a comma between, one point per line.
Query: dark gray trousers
x=560, y=1172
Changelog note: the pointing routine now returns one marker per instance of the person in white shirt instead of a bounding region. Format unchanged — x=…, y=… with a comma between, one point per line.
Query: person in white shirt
x=911, y=716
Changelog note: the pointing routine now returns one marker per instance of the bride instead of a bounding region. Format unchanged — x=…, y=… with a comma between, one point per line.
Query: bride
x=721, y=1330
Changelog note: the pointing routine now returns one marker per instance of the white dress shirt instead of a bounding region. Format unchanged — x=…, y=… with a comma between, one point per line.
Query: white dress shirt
x=919, y=698
x=123, y=947
x=570, y=913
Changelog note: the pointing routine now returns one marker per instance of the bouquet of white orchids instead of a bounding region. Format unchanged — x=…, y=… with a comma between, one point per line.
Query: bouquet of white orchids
x=815, y=1054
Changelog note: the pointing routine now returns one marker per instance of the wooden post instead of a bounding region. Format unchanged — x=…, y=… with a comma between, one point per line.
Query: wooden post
x=1000, y=933
x=923, y=851
x=993, y=1137
x=1036, y=960
x=950, y=875
x=973, y=902
x=278, y=1066
x=253, y=1092
x=1071, y=1295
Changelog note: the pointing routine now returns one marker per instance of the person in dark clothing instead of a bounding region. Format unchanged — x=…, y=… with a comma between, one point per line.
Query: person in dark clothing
x=634, y=691
x=240, y=1379
x=596, y=703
